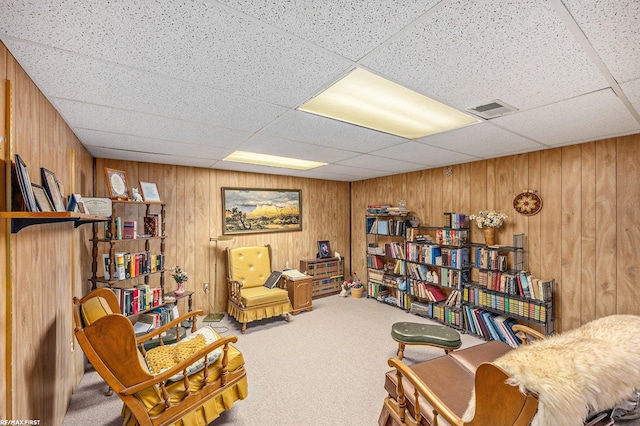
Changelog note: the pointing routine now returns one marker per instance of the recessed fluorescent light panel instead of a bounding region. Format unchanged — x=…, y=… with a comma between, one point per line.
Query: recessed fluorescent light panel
x=368, y=100
x=272, y=160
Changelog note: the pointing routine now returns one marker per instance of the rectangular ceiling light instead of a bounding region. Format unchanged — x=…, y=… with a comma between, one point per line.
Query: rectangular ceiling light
x=368, y=100
x=272, y=160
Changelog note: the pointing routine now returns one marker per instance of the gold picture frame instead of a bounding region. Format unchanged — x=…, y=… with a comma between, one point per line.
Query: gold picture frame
x=117, y=184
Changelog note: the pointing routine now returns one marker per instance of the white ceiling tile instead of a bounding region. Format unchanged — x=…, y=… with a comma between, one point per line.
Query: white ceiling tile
x=349, y=28
x=467, y=54
x=357, y=173
x=632, y=91
x=155, y=146
x=177, y=160
x=374, y=162
x=302, y=126
x=202, y=43
x=69, y=76
x=482, y=140
x=590, y=117
x=103, y=119
x=423, y=154
x=613, y=28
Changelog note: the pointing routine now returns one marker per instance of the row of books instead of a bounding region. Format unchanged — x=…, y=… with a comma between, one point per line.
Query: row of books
x=526, y=308
x=128, y=229
x=486, y=258
x=138, y=298
x=444, y=277
x=519, y=284
x=442, y=313
x=437, y=255
x=155, y=319
x=131, y=264
x=379, y=226
x=454, y=220
x=491, y=326
x=452, y=237
x=395, y=250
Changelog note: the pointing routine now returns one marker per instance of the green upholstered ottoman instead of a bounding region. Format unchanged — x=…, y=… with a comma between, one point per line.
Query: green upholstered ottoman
x=412, y=333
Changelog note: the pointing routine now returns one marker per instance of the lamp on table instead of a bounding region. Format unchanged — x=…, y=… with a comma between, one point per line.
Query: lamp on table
x=216, y=317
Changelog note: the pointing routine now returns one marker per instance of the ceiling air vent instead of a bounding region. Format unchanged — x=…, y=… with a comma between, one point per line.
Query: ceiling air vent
x=493, y=109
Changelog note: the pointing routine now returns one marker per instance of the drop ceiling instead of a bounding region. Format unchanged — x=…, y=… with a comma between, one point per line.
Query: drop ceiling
x=188, y=82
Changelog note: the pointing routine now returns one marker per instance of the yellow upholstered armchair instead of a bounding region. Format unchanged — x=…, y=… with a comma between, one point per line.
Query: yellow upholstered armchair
x=249, y=300
x=187, y=383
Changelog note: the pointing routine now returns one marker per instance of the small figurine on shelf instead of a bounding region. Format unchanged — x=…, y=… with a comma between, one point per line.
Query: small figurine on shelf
x=135, y=195
x=180, y=278
x=345, y=289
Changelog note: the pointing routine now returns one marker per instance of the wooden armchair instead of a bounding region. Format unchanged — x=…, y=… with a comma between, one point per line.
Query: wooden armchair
x=249, y=300
x=201, y=376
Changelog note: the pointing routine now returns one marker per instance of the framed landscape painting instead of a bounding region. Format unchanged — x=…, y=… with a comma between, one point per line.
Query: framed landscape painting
x=247, y=210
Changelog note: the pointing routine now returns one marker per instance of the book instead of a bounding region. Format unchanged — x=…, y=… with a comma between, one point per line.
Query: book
x=119, y=271
x=118, y=225
x=151, y=225
x=130, y=230
x=106, y=264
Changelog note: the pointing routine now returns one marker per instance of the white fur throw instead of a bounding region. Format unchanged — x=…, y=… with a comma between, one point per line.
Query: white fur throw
x=594, y=366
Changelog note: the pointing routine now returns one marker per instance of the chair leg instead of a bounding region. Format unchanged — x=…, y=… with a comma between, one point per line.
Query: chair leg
x=244, y=327
x=286, y=316
x=400, y=351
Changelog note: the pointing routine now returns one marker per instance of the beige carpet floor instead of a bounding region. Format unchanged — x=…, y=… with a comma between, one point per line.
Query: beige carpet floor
x=324, y=368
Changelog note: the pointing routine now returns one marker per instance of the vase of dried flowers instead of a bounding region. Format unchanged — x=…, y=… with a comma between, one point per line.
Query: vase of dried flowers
x=488, y=221
x=489, y=236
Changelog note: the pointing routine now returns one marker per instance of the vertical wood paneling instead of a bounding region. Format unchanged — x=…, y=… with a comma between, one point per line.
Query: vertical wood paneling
x=5, y=334
x=628, y=225
x=571, y=227
x=45, y=271
x=606, y=238
x=588, y=233
x=551, y=224
x=531, y=229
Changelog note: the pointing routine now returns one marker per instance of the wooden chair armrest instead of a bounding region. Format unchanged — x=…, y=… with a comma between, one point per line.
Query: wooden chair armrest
x=175, y=323
x=182, y=366
x=524, y=333
x=234, y=292
x=402, y=370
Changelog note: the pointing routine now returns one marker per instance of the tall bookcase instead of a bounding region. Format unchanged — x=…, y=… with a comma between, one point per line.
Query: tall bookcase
x=386, y=265
x=141, y=263
x=438, y=267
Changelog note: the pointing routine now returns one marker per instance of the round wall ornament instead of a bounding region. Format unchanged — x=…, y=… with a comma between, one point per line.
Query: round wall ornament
x=527, y=203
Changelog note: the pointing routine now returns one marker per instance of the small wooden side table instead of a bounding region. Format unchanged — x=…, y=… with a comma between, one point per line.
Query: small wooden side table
x=300, y=292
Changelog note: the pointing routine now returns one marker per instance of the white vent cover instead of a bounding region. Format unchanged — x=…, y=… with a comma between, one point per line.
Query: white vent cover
x=493, y=109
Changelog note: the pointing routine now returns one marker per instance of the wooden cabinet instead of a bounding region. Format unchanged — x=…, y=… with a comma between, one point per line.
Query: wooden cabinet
x=300, y=293
x=327, y=275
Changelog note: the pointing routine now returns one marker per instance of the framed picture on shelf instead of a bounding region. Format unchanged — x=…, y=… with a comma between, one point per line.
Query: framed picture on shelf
x=247, y=210
x=149, y=191
x=324, y=249
x=52, y=186
x=22, y=173
x=117, y=183
x=42, y=199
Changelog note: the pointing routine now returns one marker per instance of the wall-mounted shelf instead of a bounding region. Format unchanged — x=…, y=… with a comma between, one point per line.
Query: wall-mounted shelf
x=20, y=220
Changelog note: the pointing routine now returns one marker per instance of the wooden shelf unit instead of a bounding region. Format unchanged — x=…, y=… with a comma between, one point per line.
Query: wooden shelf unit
x=327, y=275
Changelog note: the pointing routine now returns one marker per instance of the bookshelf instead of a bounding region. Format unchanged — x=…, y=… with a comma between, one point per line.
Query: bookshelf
x=326, y=274
x=386, y=265
x=472, y=287
x=438, y=267
x=121, y=264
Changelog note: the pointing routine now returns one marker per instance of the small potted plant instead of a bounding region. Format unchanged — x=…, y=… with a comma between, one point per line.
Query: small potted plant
x=180, y=277
x=356, y=287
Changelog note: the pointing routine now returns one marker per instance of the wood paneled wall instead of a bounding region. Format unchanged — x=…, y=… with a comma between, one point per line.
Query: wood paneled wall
x=47, y=264
x=586, y=236
x=194, y=215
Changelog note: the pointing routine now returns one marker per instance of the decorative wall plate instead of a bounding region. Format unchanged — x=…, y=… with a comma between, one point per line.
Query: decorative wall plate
x=527, y=203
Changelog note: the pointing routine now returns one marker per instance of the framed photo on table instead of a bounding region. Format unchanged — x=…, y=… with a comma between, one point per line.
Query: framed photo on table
x=42, y=198
x=324, y=249
x=52, y=186
x=117, y=184
x=149, y=191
